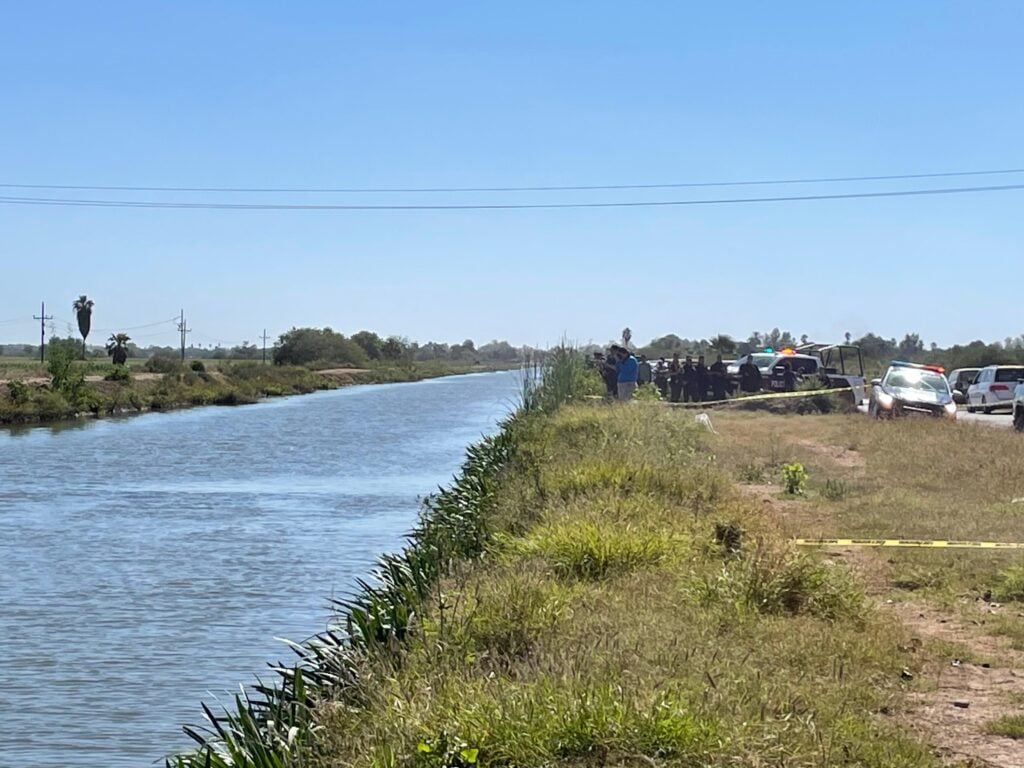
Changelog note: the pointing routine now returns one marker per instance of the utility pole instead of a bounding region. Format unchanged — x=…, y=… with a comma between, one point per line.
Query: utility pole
x=42, y=317
x=264, y=337
x=183, y=329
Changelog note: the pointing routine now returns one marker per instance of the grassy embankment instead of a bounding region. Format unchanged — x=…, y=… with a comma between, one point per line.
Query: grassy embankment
x=596, y=590
x=94, y=388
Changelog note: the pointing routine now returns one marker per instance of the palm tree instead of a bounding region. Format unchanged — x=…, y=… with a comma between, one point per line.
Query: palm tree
x=627, y=336
x=117, y=347
x=82, y=307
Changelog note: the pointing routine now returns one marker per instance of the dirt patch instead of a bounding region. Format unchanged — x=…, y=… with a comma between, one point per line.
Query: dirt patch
x=91, y=378
x=990, y=688
x=837, y=454
x=343, y=375
x=797, y=517
x=343, y=371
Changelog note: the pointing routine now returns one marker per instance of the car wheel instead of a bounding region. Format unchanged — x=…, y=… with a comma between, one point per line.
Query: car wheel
x=984, y=409
x=971, y=409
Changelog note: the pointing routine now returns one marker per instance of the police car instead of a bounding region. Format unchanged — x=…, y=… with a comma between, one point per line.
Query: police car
x=772, y=364
x=911, y=388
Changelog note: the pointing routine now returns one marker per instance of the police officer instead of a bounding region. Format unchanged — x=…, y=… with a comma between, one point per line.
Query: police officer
x=701, y=379
x=689, y=377
x=750, y=377
x=718, y=383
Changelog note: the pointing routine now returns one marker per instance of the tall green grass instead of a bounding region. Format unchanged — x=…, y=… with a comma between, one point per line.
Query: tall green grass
x=562, y=378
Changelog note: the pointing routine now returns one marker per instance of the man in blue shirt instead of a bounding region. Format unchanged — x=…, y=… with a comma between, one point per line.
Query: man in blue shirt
x=627, y=371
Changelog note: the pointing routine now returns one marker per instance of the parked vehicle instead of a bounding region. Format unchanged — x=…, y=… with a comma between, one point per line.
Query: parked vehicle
x=959, y=380
x=993, y=388
x=763, y=360
x=842, y=366
x=1018, y=406
x=910, y=388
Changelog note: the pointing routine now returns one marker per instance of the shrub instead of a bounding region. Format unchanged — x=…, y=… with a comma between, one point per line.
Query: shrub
x=751, y=472
x=794, y=478
x=835, y=490
x=1010, y=584
x=118, y=373
x=197, y=366
x=161, y=363
x=61, y=367
x=19, y=392
x=774, y=582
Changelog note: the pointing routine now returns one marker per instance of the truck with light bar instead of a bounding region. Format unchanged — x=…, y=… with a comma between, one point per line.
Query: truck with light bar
x=832, y=366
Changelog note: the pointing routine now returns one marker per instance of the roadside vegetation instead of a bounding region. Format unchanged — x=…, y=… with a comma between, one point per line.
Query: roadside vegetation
x=594, y=589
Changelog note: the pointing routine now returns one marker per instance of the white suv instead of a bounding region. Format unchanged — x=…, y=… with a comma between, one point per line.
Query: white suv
x=993, y=388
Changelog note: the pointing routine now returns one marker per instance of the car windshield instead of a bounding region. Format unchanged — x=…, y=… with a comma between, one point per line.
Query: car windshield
x=762, y=360
x=917, y=378
x=1009, y=374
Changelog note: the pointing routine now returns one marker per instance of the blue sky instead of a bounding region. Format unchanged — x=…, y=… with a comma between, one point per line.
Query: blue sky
x=328, y=94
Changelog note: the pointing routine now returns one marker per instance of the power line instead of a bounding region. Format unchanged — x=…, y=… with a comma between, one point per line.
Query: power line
x=491, y=206
x=137, y=327
x=547, y=188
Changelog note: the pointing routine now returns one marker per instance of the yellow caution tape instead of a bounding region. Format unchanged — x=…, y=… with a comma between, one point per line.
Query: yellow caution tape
x=926, y=543
x=746, y=398
x=765, y=396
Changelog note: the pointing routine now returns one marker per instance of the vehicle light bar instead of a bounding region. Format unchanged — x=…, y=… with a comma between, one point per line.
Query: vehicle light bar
x=921, y=366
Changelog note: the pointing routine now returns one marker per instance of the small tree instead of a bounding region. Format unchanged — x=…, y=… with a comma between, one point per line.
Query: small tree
x=117, y=347
x=82, y=307
x=722, y=344
x=392, y=348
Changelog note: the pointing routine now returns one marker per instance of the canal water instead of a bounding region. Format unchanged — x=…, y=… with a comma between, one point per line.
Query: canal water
x=149, y=563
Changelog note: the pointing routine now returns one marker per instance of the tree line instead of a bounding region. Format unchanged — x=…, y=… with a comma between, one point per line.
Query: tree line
x=305, y=346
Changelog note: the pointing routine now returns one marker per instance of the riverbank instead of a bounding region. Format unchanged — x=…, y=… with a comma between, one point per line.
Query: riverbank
x=633, y=607
x=36, y=400
x=596, y=589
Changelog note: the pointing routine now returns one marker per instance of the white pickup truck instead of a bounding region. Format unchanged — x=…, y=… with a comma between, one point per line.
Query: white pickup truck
x=1018, y=406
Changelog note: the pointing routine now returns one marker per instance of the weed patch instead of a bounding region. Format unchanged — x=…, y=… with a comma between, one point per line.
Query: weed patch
x=1010, y=726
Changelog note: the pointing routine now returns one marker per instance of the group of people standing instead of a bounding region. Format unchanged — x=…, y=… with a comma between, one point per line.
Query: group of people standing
x=678, y=380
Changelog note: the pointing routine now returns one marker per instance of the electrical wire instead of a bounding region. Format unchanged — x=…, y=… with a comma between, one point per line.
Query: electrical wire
x=548, y=188
x=136, y=327
x=70, y=202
